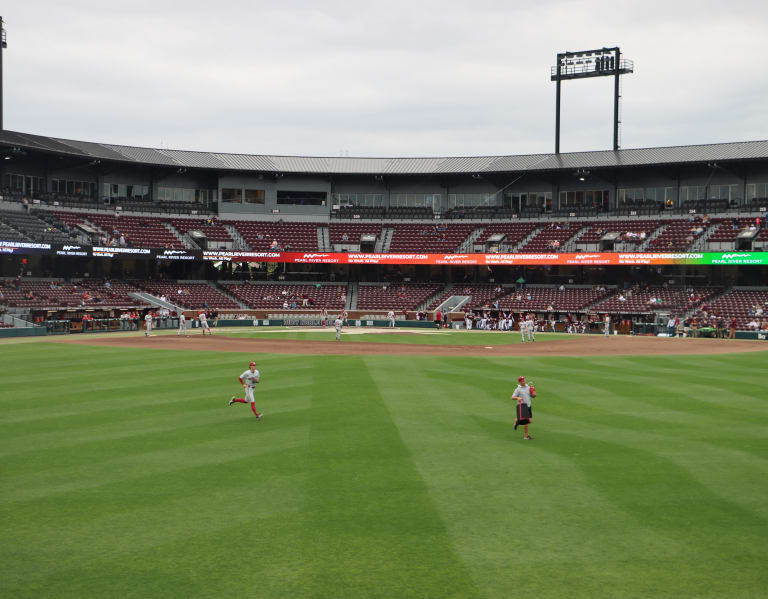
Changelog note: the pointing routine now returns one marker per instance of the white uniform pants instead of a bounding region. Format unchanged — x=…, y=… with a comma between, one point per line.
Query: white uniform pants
x=249, y=394
x=182, y=327
x=392, y=322
x=338, y=333
x=149, y=328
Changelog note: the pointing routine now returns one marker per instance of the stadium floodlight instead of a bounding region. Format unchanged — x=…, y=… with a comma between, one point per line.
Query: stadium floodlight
x=584, y=64
x=3, y=46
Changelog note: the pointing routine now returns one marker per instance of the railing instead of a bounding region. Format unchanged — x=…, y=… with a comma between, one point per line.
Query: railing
x=589, y=67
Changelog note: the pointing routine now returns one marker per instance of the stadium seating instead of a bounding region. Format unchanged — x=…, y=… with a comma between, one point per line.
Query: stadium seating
x=679, y=235
x=55, y=294
x=514, y=232
x=296, y=236
x=438, y=239
x=552, y=237
x=214, y=231
x=397, y=296
x=726, y=234
x=139, y=231
x=269, y=296
x=639, y=230
x=353, y=231
x=540, y=299
x=195, y=295
x=32, y=228
x=738, y=304
x=674, y=299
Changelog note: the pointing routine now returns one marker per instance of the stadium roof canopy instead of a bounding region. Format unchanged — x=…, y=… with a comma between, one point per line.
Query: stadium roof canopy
x=679, y=155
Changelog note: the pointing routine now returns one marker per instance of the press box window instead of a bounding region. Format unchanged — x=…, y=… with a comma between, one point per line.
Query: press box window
x=231, y=195
x=254, y=196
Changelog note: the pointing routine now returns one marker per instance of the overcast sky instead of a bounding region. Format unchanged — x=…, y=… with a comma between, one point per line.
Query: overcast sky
x=385, y=78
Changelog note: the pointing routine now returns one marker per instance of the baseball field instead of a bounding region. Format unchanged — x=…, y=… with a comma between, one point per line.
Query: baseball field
x=382, y=468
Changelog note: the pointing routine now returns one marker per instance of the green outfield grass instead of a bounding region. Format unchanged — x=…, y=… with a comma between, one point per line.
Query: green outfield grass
x=413, y=336
x=125, y=474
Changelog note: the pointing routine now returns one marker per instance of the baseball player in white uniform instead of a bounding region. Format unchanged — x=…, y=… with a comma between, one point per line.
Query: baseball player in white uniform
x=148, y=324
x=204, y=322
x=338, y=323
x=249, y=379
x=391, y=318
x=182, y=325
x=530, y=324
x=607, y=326
x=323, y=317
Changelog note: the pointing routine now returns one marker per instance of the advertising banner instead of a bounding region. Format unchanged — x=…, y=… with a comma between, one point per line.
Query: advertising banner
x=542, y=259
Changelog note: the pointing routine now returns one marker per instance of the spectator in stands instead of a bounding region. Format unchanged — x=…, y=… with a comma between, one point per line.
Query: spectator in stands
x=561, y=288
x=622, y=298
x=764, y=324
x=122, y=241
x=344, y=237
x=753, y=325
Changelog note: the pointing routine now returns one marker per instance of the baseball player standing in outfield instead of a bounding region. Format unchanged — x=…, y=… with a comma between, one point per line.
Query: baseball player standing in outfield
x=338, y=323
x=391, y=318
x=148, y=325
x=607, y=326
x=182, y=325
x=203, y=317
x=323, y=317
x=249, y=379
x=523, y=393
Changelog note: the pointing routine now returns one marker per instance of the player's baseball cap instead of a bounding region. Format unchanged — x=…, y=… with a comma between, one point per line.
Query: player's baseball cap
x=520, y=379
x=252, y=364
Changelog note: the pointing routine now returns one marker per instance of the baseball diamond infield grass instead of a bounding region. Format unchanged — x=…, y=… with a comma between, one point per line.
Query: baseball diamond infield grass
x=383, y=335
x=125, y=474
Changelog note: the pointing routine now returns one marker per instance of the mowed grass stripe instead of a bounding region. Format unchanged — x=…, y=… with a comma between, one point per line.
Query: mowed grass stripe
x=372, y=529
x=578, y=506
x=79, y=519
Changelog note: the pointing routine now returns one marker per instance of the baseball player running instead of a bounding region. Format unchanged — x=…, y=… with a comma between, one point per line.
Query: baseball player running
x=523, y=393
x=338, y=324
x=148, y=325
x=249, y=379
x=182, y=325
x=203, y=317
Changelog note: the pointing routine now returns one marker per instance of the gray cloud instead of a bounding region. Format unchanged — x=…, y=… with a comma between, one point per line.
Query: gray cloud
x=372, y=78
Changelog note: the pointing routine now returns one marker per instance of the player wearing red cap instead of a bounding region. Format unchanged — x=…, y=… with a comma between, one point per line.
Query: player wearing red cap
x=524, y=413
x=249, y=379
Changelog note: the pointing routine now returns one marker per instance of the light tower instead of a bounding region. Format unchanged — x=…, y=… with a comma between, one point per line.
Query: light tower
x=605, y=62
x=3, y=46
